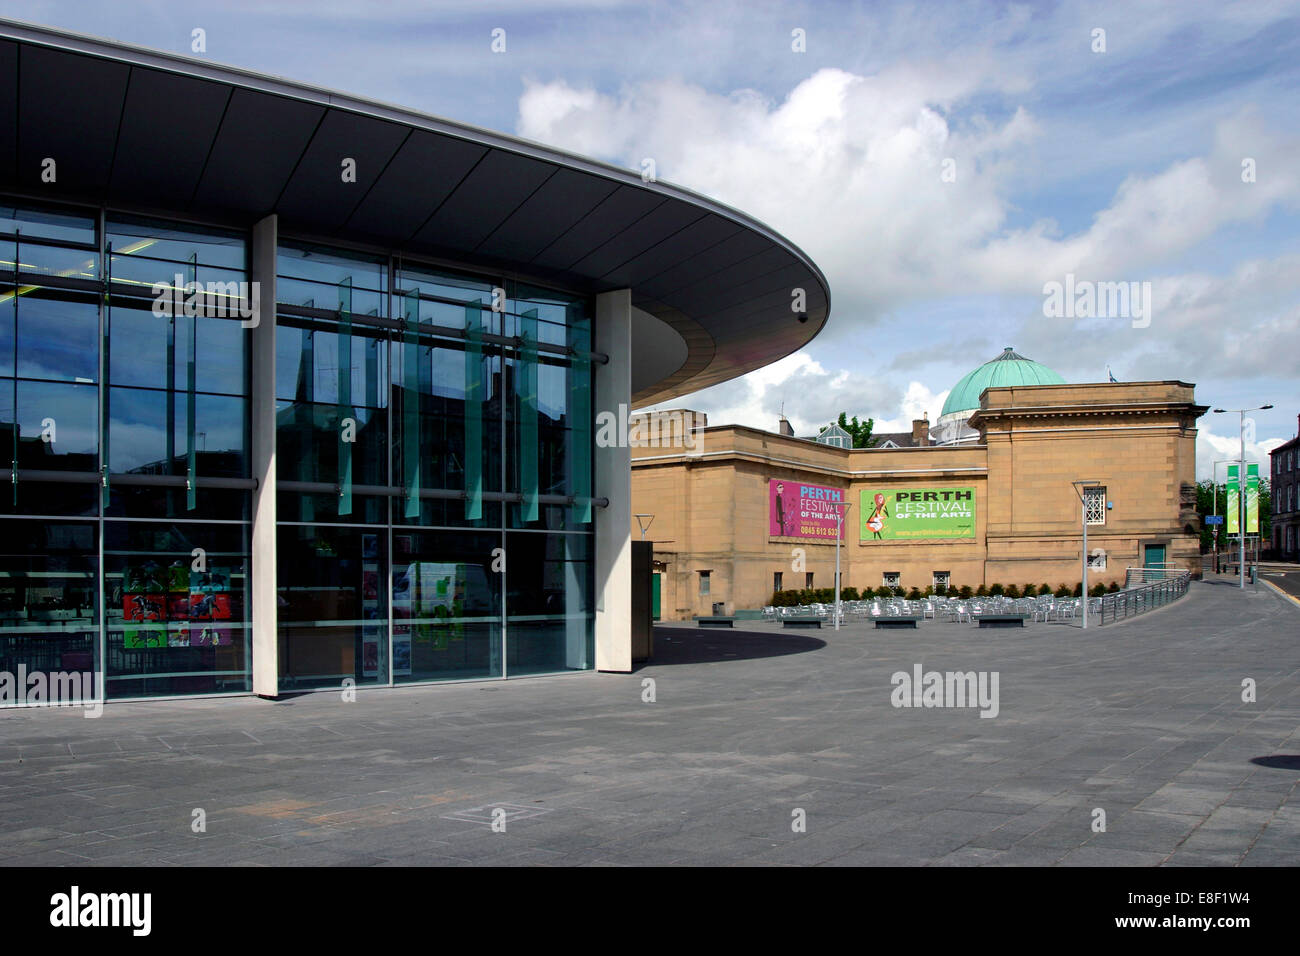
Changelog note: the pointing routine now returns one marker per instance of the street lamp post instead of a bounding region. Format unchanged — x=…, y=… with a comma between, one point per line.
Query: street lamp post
x=839, y=536
x=1241, y=486
x=644, y=526
x=1081, y=488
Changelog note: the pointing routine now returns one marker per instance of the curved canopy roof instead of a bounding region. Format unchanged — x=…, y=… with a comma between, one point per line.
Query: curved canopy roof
x=155, y=132
x=1009, y=368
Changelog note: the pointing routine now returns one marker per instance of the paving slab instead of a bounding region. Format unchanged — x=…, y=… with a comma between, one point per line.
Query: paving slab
x=753, y=731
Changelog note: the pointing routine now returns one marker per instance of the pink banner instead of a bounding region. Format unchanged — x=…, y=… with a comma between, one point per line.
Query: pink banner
x=802, y=511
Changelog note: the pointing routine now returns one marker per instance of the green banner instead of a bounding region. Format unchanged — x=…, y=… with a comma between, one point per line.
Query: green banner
x=1252, y=499
x=1233, y=505
x=910, y=514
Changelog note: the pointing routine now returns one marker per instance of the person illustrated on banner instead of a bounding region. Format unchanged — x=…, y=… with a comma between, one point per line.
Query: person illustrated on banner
x=877, y=520
x=780, y=507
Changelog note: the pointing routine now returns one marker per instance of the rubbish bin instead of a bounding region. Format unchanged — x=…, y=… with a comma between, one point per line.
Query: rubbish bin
x=719, y=608
x=1253, y=570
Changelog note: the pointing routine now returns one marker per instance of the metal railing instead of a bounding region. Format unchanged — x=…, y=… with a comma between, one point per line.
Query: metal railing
x=1143, y=597
x=1154, y=572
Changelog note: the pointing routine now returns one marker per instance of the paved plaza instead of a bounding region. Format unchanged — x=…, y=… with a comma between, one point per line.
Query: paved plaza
x=1143, y=719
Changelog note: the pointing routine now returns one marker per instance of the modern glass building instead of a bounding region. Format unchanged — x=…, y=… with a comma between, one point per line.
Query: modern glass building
x=302, y=390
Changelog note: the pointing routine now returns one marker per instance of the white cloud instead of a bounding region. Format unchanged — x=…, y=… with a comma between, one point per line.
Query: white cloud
x=850, y=167
x=812, y=396
x=1211, y=447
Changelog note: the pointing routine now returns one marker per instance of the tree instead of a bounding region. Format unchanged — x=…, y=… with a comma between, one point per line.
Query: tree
x=860, y=431
x=1212, y=498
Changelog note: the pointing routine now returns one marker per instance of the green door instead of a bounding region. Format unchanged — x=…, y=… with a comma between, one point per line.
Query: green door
x=1153, y=556
x=654, y=599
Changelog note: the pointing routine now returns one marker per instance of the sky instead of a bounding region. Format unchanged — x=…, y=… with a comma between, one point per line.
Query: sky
x=941, y=163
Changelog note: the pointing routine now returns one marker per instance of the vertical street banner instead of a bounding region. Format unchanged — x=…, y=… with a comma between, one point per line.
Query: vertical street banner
x=797, y=510
x=1252, y=499
x=1234, y=505
x=910, y=514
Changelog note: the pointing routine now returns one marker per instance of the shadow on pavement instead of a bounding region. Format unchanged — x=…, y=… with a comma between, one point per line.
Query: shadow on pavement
x=679, y=645
x=1278, y=761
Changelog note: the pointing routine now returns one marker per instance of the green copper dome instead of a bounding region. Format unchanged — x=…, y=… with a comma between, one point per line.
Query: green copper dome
x=1008, y=368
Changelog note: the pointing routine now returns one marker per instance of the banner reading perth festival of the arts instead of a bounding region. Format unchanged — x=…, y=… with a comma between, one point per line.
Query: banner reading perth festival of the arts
x=909, y=514
x=795, y=510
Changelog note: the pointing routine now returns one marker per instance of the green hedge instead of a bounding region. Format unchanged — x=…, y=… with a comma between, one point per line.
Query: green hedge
x=805, y=596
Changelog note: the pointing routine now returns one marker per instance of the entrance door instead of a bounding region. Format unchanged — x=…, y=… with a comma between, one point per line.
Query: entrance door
x=654, y=598
x=1153, y=556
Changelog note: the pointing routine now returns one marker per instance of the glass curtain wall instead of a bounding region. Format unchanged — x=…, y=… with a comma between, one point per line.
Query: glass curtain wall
x=470, y=398
x=112, y=411
x=434, y=434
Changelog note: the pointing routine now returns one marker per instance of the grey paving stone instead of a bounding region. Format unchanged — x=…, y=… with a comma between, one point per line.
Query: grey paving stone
x=1135, y=720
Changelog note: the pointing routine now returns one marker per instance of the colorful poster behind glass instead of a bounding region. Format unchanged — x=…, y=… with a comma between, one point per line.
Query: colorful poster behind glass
x=910, y=514
x=1234, y=506
x=177, y=607
x=796, y=510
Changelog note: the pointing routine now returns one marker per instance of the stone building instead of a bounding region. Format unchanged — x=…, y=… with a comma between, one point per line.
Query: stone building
x=1285, y=488
x=1000, y=509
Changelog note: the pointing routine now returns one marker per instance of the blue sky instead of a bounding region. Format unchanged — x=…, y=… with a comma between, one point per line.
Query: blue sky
x=1114, y=165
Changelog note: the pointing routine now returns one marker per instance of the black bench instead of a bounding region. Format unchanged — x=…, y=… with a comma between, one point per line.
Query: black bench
x=801, y=622
x=714, y=621
x=1002, y=620
x=898, y=620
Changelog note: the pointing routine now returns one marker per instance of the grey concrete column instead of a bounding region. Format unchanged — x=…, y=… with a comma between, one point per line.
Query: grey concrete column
x=614, y=481
x=262, y=586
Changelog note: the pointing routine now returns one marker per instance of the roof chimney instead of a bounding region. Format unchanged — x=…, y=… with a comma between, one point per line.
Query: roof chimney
x=784, y=427
x=921, y=430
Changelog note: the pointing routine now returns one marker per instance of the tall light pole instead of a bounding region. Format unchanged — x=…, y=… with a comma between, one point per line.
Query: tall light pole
x=1081, y=488
x=1241, y=486
x=839, y=536
x=644, y=525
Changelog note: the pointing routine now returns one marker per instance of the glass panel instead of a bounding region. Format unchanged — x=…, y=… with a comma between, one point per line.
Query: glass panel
x=448, y=513
x=553, y=306
x=57, y=426
x=307, y=443
x=176, y=622
x=141, y=420
x=319, y=295
x=333, y=606
x=56, y=261
x=323, y=509
x=145, y=272
x=329, y=268
x=580, y=421
x=176, y=243
x=550, y=613
x=58, y=335
x=446, y=430
x=8, y=326
x=140, y=349
x=49, y=618
x=307, y=364
x=558, y=458
x=47, y=498
x=446, y=606
x=526, y=418
x=218, y=504
x=459, y=289
x=47, y=224
x=310, y=276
